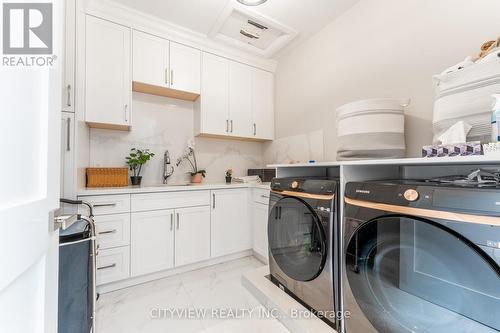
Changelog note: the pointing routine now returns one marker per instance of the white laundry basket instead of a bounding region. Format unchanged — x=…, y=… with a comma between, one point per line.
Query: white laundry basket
x=372, y=128
x=466, y=95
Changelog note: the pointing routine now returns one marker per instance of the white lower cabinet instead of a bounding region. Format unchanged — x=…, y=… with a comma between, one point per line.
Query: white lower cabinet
x=192, y=235
x=164, y=239
x=141, y=234
x=113, y=265
x=260, y=215
x=260, y=240
x=230, y=227
x=151, y=242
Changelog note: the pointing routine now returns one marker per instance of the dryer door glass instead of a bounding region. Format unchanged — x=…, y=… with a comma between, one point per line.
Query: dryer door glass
x=297, y=239
x=413, y=275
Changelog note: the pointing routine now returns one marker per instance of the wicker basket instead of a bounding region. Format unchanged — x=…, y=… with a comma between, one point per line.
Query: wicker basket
x=107, y=177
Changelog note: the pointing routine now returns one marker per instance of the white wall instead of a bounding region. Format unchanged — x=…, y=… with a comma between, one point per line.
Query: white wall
x=382, y=48
x=161, y=124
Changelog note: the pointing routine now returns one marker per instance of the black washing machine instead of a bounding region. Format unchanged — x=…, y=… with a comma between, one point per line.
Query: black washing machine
x=302, y=231
x=421, y=256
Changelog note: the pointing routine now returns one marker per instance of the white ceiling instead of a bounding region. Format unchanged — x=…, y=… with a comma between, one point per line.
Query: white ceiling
x=306, y=17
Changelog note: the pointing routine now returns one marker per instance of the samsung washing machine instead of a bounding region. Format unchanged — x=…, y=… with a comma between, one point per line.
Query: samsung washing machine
x=302, y=231
x=422, y=256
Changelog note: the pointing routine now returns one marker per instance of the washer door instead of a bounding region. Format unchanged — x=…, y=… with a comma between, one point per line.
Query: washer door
x=296, y=239
x=408, y=274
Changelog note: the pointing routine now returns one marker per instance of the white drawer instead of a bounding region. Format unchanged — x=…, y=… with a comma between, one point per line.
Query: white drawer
x=260, y=195
x=109, y=204
x=169, y=200
x=113, y=230
x=113, y=265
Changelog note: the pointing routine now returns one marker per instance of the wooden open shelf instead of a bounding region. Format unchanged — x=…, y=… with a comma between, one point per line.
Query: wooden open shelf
x=163, y=91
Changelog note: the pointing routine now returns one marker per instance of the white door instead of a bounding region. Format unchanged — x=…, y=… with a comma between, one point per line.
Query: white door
x=263, y=104
x=30, y=103
x=150, y=59
x=240, y=100
x=214, y=95
x=185, y=68
x=259, y=224
x=230, y=225
x=107, y=73
x=192, y=235
x=151, y=242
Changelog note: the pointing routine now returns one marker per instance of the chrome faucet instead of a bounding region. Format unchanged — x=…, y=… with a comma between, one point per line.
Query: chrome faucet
x=168, y=169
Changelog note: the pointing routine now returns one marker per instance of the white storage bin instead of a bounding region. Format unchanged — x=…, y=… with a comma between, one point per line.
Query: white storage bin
x=466, y=95
x=372, y=128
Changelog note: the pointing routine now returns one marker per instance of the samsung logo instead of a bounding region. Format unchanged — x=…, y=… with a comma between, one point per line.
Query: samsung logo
x=363, y=191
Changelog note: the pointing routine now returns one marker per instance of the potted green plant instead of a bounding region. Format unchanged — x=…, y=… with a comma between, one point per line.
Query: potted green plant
x=189, y=155
x=136, y=159
x=229, y=175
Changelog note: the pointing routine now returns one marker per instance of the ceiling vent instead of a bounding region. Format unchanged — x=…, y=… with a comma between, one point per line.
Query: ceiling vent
x=251, y=31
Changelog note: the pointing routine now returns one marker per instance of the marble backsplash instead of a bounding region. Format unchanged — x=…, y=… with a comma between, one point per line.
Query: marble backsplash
x=295, y=149
x=161, y=124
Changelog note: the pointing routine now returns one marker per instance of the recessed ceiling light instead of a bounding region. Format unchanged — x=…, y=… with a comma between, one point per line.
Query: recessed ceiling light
x=252, y=2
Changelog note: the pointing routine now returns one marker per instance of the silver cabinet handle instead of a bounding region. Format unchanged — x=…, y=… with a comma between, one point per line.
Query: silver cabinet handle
x=178, y=221
x=68, y=134
x=166, y=76
x=171, y=221
x=110, y=204
x=171, y=77
x=254, y=129
x=68, y=90
x=126, y=113
x=231, y=125
x=264, y=196
x=106, y=267
x=213, y=201
x=227, y=125
x=107, y=232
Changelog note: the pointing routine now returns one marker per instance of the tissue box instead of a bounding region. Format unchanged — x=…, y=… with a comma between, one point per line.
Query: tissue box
x=458, y=149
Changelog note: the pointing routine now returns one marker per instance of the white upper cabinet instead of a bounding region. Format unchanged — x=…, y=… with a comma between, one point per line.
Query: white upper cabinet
x=165, y=68
x=107, y=74
x=240, y=99
x=150, y=59
x=185, y=68
x=236, y=100
x=68, y=95
x=263, y=104
x=212, y=108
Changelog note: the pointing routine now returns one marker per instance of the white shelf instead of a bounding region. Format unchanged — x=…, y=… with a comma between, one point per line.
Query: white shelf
x=401, y=161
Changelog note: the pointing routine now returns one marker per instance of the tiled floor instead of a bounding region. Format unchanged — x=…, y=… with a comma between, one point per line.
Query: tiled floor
x=137, y=309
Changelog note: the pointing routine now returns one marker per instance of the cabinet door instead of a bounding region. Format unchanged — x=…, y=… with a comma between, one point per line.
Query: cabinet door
x=150, y=59
x=185, y=68
x=68, y=155
x=68, y=95
x=230, y=225
x=107, y=73
x=263, y=104
x=240, y=100
x=259, y=224
x=214, y=95
x=151, y=242
x=192, y=235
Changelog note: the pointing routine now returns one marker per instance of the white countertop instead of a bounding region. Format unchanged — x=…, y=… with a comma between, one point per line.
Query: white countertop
x=400, y=161
x=165, y=188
